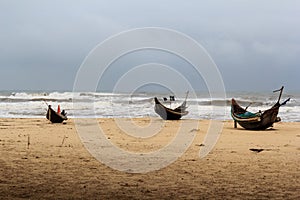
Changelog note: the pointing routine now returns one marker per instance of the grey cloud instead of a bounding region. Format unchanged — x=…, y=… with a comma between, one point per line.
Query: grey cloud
x=259, y=39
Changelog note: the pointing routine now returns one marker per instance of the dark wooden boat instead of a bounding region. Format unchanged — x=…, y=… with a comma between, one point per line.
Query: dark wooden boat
x=168, y=113
x=256, y=121
x=55, y=117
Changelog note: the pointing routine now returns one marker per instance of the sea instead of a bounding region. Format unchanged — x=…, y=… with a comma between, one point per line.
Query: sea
x=33, y=104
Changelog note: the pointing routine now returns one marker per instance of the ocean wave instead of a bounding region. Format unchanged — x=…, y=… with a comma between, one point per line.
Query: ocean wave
x=94, y=104
x=14, y=100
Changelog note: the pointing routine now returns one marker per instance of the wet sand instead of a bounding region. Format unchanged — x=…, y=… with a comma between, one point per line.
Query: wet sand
x=40, y=160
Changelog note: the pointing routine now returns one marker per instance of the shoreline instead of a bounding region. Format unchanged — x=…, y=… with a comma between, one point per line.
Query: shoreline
x=143, y=117
x=40, y=160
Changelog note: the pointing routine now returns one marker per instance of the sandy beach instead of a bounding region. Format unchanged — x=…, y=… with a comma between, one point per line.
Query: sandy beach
x=40, y=160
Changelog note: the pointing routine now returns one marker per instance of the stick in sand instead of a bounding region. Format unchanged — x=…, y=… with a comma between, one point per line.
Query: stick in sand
x=65, y=137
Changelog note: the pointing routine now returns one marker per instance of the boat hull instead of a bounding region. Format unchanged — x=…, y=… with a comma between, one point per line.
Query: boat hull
x=261, y=121
x=55, y=117
x=167, y=113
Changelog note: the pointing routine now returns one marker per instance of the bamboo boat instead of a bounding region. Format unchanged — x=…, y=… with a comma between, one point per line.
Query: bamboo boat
x=168, y=113
x=260, y=120
x=55, y=117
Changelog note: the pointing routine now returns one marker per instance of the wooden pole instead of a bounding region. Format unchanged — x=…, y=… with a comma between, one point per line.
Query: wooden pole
x=281, y=89
x=49, y=114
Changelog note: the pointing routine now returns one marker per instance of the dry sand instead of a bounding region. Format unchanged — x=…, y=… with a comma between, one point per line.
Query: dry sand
x=40, y=160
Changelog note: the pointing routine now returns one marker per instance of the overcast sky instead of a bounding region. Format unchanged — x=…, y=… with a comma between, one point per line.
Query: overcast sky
x=255, y=43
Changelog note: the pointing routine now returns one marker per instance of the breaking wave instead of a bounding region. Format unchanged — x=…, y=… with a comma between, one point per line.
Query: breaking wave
x=34, y=104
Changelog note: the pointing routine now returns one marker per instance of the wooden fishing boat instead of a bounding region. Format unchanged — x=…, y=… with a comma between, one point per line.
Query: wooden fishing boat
x=55, y=117
x=168, y=113
x=256, y=121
